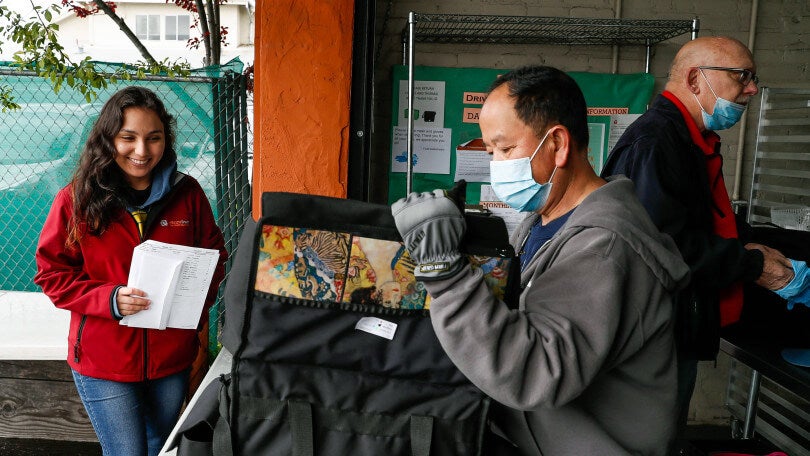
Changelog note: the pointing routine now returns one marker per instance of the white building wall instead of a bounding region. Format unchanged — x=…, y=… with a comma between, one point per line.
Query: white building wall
x=99, y=37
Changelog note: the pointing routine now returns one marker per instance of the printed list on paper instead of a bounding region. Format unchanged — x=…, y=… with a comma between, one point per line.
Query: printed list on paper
x=176, y=279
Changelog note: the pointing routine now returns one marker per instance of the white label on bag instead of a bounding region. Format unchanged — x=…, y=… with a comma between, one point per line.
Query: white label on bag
x=376, y=326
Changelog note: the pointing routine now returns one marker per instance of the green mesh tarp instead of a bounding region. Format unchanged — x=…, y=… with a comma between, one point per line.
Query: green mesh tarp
x=40, y=144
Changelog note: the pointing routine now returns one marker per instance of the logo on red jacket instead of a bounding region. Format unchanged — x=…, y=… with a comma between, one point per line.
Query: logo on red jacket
x=174, y=223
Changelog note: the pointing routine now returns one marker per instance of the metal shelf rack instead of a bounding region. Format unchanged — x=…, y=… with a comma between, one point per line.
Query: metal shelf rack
x=489, y=29
x=781, y=174
x=478, y=29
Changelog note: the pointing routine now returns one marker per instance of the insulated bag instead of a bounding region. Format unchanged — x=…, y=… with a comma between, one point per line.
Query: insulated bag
x=333, y=348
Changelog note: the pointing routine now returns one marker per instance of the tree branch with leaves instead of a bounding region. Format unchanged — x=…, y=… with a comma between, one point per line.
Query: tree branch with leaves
x=41, y=52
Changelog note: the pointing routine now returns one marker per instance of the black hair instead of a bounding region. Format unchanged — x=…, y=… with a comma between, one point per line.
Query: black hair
x=544, y=96
x=98, y=181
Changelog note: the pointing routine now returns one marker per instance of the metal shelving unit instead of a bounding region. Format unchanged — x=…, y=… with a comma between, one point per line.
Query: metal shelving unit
x=472, y=29
x=781, y=175
x=780, y=180
x=489, y=29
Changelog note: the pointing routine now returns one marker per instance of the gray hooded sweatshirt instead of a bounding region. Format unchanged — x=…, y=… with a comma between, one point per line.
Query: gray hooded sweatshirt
x=586, y=365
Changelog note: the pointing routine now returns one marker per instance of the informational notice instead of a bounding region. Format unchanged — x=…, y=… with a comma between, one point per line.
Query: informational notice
x=431, y=150
x=472, y=161
x=596, y=145
x=619, y=123
x=428, y=103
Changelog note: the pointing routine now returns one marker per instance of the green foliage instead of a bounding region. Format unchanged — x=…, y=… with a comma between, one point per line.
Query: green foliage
x=7, y=99
x=41, y=52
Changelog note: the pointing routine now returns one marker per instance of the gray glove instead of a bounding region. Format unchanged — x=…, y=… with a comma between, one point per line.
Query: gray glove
x=432, y=225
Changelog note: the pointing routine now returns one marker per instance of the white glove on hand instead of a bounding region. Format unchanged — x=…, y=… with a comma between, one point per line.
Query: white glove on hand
x=432, y=226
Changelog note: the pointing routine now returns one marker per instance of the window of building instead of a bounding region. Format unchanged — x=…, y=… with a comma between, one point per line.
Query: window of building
x=177, y=27
x=147, y=27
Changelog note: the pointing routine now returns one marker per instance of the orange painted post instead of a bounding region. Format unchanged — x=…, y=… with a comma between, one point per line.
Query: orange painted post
x=302, y=97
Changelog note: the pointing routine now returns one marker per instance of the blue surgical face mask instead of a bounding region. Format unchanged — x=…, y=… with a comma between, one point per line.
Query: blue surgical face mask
x=725, y=114
x=514, y=184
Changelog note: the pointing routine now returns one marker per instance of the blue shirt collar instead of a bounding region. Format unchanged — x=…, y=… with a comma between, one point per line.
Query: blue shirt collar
x=161, y=184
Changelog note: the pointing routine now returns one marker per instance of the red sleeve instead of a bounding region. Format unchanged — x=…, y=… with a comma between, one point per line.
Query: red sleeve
x=60, y=271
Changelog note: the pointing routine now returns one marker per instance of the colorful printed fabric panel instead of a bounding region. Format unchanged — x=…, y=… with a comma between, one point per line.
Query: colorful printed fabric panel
x=323, y=265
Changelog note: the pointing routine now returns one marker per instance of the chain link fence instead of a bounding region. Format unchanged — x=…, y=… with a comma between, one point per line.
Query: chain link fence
x=40, y=144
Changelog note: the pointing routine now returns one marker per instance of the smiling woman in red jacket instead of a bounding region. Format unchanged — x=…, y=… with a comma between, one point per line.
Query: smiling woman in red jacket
x=125, y=190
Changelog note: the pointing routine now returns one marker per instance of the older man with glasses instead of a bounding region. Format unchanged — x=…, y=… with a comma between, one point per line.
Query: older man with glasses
x=672, y=154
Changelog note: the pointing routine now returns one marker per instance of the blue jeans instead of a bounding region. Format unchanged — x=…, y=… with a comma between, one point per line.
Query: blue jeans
x=131, y=418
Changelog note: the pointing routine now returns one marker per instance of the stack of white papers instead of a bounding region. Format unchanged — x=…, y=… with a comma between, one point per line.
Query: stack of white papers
x=176, y=279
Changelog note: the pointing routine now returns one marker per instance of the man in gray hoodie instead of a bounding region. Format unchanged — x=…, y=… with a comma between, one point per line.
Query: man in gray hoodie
x=586, y=364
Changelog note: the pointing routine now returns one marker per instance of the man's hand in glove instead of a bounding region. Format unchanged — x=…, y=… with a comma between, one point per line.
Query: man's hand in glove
x=432, y=225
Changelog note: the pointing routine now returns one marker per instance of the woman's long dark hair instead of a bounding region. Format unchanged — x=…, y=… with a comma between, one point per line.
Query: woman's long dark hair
x=98, y=181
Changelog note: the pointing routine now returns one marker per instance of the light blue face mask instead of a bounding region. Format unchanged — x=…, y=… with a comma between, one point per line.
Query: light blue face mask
x=725, y=114
x=513, y=183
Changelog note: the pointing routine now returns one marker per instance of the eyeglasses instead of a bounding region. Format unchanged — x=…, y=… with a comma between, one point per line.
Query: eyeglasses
x=745, y=75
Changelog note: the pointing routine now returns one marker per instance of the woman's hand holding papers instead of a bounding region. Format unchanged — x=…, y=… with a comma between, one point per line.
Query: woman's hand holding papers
x=131, y=300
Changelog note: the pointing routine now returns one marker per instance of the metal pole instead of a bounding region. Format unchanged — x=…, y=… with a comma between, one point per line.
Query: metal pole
x=763, y=105
x=409, y=172
x=614, y=63
x=404, y=47
x=738, y=163
x=751, y=406
x=648, y=56
x=695, y=27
